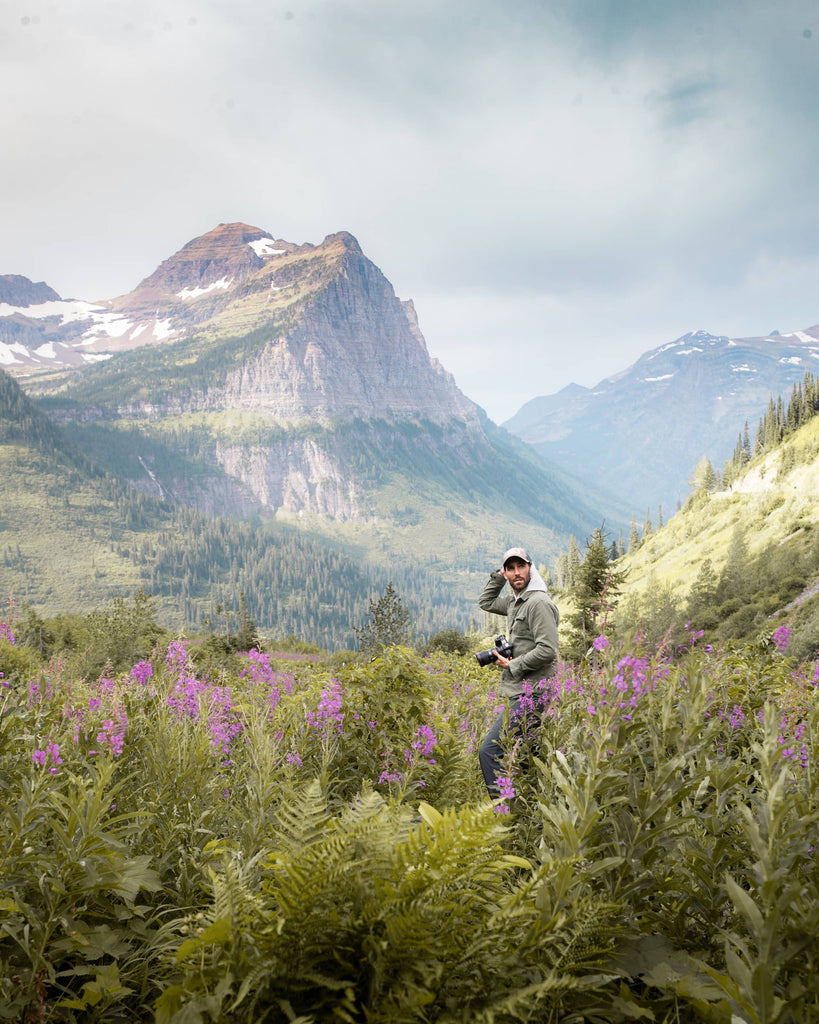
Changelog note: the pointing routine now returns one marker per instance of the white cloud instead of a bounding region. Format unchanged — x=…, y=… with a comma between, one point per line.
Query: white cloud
x=574, y=183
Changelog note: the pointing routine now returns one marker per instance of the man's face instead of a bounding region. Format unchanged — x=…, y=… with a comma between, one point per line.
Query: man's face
x=517, y=573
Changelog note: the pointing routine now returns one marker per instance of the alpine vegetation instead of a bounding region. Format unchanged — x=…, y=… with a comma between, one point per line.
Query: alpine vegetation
x=296, y=837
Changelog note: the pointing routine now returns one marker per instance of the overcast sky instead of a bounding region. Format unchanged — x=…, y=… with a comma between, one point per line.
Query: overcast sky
x=559, y=185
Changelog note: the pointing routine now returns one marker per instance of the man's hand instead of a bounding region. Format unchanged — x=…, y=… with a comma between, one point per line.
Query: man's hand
x=503, y=662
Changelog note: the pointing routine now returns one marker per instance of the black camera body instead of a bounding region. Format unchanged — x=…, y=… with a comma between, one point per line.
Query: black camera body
x=502, y=647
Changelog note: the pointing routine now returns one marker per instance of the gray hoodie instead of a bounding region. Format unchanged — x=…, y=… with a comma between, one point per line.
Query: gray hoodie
x=531, y=626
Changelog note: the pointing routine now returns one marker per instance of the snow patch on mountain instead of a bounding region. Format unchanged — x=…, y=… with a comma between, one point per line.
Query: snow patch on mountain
x=69, y=310
x=193, y=293
x=9, y=353
x=112, y=325
x=265, y=247
x=163, y=329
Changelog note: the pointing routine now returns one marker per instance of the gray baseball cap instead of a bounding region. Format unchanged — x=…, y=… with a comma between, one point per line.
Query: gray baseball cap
x=521, y=553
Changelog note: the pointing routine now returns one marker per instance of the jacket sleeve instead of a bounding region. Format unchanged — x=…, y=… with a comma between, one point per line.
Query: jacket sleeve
x=536, y=663
x=490, y=599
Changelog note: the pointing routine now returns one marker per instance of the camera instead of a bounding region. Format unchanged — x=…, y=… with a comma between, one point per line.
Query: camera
x=502, y=646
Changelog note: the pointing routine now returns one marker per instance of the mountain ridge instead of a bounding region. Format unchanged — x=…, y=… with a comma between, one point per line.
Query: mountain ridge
x=645, y=428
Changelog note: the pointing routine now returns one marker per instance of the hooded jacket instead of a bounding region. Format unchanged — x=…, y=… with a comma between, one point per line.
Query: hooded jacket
x=532, y=619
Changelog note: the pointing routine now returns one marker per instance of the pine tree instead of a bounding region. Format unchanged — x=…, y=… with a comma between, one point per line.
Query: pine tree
x=594, y=596
x=704, y=478
x=573, y=562
x=732, y=580
x=388, y=624
x=633, y=537
x=703, y=589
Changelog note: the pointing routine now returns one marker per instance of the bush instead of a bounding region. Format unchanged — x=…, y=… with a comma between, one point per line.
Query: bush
x=449, y=641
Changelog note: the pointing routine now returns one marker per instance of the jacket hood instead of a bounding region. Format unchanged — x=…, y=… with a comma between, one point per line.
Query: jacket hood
x=535, y=582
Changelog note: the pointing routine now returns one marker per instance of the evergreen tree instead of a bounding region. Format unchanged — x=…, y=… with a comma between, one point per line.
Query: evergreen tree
x=704, y=479
x=572, y=561
x=732, y=580
x=561, y=570
x=594, y=596
x=388, y=624
x=703, y=590
x=648, y=527
x=633, y=537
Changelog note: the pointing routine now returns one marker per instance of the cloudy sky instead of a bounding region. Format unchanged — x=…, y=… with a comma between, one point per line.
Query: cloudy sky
x=559, y=185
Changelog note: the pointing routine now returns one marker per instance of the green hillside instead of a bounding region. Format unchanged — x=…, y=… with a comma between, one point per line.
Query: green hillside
x=740, y=559
x=73, y=537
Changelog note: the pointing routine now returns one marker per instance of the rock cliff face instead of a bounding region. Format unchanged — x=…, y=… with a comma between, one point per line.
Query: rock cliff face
x=251, y=376
x=356, y=352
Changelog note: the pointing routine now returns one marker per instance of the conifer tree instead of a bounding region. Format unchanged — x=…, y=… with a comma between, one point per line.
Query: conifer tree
x=388, y=624
x=703, y=589
x=633, y=537
x=594, y=596
x=733, y=577
x=704, y=478
x=573, y=562
x=561, y=570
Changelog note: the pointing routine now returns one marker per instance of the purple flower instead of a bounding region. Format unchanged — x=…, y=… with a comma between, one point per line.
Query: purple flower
x=6, y=633
x=736, y=717
x=600, y=643
x=142, y=672
x=51, y=753
x=425, y=740
x=329, y=715
x=177, y=655
x=781, y=637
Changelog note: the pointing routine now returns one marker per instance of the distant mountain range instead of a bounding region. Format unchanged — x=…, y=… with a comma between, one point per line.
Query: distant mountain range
x=640, y=433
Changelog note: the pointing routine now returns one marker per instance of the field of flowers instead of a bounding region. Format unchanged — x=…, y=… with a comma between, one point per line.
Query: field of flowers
x=285, y=840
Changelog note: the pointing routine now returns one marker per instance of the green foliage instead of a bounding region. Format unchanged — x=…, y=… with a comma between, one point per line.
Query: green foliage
x=318, y=846
x=113, y=637
x=388, y=625
x=450, y=641
x=594, y=596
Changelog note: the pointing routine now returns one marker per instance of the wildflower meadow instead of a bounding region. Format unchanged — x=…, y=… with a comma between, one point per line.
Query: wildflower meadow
x=286, y=840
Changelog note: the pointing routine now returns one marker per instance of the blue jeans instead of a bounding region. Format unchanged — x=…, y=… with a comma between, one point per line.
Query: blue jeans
x=511, y=723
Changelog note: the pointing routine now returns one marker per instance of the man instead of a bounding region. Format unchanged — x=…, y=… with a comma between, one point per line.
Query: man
x=532, y=620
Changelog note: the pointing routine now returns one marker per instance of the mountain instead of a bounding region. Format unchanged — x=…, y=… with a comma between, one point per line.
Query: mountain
x=255, y=380
x=640, y=433
x=73, y=538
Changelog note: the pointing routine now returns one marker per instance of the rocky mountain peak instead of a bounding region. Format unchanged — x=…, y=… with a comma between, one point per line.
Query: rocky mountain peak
x=16, y=290
x=220, y=258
